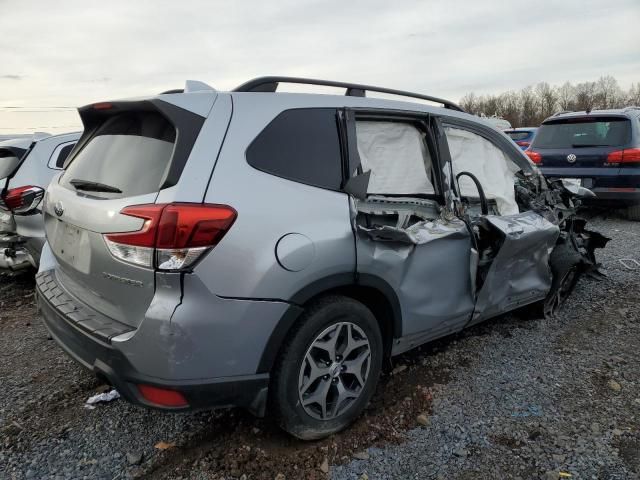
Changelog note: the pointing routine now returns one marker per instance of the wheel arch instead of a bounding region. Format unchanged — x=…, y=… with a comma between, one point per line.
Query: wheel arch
x=374, y=292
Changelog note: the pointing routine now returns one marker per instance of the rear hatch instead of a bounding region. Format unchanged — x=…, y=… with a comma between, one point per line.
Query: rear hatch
x=128, y=153
x=579, y=143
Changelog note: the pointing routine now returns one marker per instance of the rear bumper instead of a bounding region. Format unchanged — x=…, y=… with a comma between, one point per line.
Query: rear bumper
x=625, y=196
x=610, y=185
x=94, y=349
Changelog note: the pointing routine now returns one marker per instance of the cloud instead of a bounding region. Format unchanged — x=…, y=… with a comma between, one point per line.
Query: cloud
x=11, y=77
x=444, y=48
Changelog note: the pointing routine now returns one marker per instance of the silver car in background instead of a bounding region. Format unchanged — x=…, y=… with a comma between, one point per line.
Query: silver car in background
x=27, y=165
x=263, y=249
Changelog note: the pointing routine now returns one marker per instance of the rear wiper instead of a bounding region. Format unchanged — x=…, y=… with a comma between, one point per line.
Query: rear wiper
x=587, y=145
x=88, y=186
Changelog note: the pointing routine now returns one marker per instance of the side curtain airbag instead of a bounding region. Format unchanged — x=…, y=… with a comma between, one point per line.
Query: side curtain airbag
x=472, y=153
x=397, y=157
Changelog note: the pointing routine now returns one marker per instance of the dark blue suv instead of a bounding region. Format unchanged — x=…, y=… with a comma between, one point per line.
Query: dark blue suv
x=599, y=150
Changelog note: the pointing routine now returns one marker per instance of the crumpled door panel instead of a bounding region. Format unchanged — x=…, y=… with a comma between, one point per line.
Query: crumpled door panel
x=432, y=279
x=520, y=273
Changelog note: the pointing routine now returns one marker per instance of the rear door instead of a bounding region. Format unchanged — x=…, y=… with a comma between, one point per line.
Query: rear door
x=400, y=236
x=128, y=154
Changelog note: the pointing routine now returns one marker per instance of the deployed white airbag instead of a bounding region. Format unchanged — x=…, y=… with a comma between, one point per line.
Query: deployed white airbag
x=472, y=153
x=397, y=157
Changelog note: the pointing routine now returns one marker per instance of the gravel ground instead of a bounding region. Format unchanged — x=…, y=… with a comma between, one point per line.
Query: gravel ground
x=511, y=398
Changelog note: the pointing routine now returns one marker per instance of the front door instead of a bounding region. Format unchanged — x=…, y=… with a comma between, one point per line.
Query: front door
x=513, y=246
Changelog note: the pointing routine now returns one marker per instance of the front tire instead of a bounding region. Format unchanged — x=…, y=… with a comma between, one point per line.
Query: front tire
x=328, y=369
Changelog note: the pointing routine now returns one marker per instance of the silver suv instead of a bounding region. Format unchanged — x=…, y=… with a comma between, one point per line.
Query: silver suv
x=27, y=165
x=263, y=249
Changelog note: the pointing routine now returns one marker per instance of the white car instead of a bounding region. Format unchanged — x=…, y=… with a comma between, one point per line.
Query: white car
x=27, y=165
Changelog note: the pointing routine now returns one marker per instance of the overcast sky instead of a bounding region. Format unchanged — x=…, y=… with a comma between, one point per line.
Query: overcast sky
x=70, y=53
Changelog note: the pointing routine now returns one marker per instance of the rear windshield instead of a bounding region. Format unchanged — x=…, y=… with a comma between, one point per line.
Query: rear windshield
x=515, y=136
x=9, y=160
x=584, y=132
x=130, y=152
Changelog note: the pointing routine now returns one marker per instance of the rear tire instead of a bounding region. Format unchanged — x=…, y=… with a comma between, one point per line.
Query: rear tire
x=633, y=213
x=328, y=369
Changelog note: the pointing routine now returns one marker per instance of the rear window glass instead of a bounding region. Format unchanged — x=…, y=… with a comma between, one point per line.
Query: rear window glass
x=584, y=132
x=515, y=136
x=130, y=152
x=300, y=145
x=9, y=160
x=64, y=153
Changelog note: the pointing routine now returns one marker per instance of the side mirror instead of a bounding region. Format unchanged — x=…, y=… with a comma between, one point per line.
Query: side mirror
x=577, y=190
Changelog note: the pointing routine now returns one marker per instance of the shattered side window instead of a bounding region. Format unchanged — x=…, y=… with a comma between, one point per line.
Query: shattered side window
x=473, y=153
x=397, y=156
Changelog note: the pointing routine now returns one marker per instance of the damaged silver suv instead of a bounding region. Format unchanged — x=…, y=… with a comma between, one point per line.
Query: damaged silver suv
x=269, y=250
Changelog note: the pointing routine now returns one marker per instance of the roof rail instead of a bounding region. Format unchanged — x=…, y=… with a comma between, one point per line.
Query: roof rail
x=631, y=107
x=562, y=112
x=270, y=84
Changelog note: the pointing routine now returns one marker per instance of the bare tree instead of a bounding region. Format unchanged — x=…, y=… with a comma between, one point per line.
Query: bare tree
x=608, y=93
x=470, y=103
x=530, y=106
x=547, y=100
x=528, y=112
x=510, y=107
x=566, y=96
x=633, y=97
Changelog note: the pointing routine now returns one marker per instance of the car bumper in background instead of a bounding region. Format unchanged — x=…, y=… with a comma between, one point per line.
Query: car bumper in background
x=13, y=254
x=610, y=185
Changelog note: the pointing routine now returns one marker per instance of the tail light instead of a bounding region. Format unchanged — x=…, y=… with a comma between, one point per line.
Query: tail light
x=534, y=156
x=522, y=143
x=22, y=200
x=626, y=156
x=173, y=236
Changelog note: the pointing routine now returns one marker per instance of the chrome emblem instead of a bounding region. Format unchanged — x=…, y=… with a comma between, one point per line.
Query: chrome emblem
x=571, y=158
x=58, y=209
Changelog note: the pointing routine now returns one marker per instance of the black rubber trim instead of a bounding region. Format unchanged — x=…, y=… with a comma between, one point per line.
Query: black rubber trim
x=100, y=327
x=249, y=391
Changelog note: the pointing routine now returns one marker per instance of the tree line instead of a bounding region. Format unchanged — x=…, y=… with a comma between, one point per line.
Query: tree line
x=531, y=105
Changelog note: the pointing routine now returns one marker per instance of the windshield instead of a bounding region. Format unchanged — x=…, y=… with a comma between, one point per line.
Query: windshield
x=584, y=132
